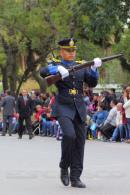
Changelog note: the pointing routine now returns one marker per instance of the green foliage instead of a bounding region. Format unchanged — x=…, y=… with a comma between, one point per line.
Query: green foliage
x=104, y=20
x=87, y=50
x=36, y=25
x=123, y=45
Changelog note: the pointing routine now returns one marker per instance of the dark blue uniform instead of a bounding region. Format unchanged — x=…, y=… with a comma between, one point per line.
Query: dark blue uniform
x=71, y=114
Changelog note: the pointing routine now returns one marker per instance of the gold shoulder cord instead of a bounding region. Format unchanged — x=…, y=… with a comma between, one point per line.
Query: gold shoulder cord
x=56, y=60
x=80, y=61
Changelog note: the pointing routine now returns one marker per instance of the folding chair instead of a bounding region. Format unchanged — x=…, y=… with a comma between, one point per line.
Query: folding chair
x=36, y=128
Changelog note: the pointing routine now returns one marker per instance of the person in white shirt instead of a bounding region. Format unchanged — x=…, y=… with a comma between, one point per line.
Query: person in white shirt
x=119, y=131
x=126, y=106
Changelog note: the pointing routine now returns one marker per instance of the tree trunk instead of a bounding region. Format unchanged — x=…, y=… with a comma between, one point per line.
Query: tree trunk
x=12, y=66
x=4, y=78
x=22, y=80
x=11, y=51
x=40, y=81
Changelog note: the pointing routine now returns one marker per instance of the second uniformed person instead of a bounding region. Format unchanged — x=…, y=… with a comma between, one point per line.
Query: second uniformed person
x=71, y=109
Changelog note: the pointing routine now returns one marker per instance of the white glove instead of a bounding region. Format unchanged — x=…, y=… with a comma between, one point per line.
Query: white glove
x=63, y=71
x=97, y=63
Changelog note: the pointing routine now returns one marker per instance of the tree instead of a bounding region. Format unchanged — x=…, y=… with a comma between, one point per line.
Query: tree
x=30, y=29
x=123, y=46
x=102, y=21
x=22, y=35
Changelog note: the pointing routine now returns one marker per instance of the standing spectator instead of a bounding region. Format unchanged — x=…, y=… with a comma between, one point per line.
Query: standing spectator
x=43, y=98
x=47, y=101
x=38, y=100
x=25, y=110
x=52, y=104
x=122, y=96
x=104, y=98
x=8, y=105
x=112, y=94
x=126, y=106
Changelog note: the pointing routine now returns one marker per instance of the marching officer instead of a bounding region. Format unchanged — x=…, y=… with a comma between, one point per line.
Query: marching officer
x=71, y=109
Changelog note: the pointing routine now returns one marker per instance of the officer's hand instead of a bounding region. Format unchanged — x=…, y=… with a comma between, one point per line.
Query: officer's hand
x=63, y=72
x=97, y=62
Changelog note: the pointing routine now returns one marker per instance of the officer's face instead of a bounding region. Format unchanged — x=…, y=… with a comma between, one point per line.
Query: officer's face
x=68, y=54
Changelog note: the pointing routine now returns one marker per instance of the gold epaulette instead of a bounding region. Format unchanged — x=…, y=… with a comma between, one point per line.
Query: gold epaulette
x=80, y=61
x=56, y=60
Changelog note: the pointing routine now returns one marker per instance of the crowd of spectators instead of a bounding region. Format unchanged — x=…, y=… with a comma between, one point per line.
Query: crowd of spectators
x=108, y=116
x=107, y=119
x=43, y=120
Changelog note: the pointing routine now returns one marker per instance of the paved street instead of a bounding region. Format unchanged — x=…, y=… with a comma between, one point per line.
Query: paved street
x=30, y=167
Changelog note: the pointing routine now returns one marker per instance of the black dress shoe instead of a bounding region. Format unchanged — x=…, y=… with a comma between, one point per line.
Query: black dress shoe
x=20, y=137
x=78, y=184
x=30, y=136
x=64, y=177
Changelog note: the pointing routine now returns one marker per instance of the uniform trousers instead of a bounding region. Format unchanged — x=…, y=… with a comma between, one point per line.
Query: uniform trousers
x=72, y=145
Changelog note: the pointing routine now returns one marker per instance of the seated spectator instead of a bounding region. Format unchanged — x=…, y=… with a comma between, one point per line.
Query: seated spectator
x=98, y=118
x=121, y=124
x=39, y=110
x=15, y=123
x=110, y=123
x=47, y=123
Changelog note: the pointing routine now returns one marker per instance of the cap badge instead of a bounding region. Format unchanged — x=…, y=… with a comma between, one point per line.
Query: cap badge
x=71, y=43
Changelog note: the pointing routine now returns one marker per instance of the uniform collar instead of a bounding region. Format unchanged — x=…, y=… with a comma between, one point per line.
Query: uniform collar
x=67, y=63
